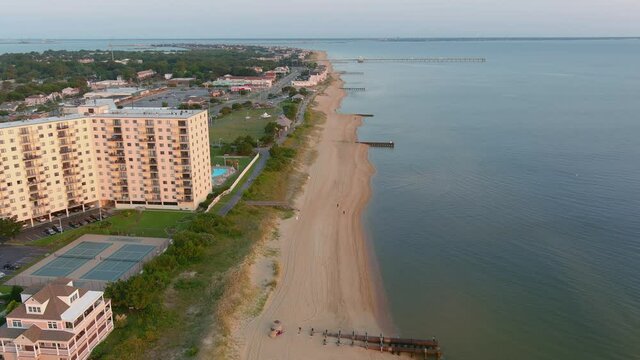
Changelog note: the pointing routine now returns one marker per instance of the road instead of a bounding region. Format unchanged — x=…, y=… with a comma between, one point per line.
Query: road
x=255, y=172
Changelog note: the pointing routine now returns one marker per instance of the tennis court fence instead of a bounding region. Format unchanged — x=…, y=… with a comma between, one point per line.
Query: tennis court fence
x=96, y=285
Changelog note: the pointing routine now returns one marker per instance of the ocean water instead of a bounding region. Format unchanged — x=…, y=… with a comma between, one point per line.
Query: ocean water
x=506, y=220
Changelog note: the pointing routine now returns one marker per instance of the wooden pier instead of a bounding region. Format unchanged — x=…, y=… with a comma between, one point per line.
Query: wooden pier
x=353, y=88
x=414, y=59
x=364, y=115
x=382, y=144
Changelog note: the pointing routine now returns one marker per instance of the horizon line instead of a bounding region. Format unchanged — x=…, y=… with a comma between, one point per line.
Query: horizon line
x=348, y=38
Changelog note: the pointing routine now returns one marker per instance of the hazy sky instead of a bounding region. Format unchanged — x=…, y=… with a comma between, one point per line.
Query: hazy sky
x=316, y=18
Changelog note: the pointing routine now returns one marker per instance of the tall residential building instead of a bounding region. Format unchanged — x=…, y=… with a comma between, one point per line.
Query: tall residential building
x=58, y=322
x=145, y=157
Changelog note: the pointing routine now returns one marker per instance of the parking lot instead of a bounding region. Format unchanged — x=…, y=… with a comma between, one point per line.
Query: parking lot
x=173, y=97
x=38, y=231
x=18, y=256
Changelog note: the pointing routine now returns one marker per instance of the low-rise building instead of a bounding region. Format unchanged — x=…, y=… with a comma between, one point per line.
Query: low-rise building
x=104, y=84
x=70, y=91
x=60, y=321
x=35, y=100
x=253, y=81
x=145, y=74
x=86, y=61
x=181, y=81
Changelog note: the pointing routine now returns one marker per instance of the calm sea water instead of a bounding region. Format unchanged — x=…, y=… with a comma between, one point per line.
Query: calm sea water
x=506, y=220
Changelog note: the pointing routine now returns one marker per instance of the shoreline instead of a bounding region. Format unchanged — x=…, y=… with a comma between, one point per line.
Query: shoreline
x=329, y=278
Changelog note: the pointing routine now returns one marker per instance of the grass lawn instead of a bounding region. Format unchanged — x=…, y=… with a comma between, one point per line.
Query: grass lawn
x=229, y=127
x=149, y=223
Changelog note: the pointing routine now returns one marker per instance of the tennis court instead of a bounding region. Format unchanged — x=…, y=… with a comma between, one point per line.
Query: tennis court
x=113, y=267
x=66, y=263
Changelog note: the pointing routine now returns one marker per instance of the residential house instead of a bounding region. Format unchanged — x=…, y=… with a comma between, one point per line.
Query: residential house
x=60, y=321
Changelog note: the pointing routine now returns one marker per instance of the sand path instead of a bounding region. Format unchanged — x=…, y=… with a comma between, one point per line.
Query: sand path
x=326, y=276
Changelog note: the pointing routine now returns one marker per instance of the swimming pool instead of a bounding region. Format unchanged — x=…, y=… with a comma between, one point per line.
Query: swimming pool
x=219, y=171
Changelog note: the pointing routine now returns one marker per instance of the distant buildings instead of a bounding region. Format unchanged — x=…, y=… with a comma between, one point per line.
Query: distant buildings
x=35, y=100
x=315, y=77
x=145, y=74
x=114, y=93
x=142, y=157
x=250, y=81
x=86, y=61
x=60, y=321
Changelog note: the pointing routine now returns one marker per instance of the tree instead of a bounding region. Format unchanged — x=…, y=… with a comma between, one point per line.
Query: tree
x=236, y=106
x=292, y=92
x=243, y=92
x=303, y=91
x=9, y=227
x=165, y=104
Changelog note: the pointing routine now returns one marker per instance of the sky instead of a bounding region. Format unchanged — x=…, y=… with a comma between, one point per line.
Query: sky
x=21, y=19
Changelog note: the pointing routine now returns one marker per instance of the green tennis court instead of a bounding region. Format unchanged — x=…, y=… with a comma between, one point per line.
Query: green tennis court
x=68, y=262
x=113, y=267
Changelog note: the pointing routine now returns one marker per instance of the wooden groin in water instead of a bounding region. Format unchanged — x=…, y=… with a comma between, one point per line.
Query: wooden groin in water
x=350, y=72
x=364, y=115
x=427, y=348
x=353, y=89
x=383, y=144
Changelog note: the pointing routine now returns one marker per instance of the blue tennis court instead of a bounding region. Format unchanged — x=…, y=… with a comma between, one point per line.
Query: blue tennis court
x=117, y=264
x=68, y=262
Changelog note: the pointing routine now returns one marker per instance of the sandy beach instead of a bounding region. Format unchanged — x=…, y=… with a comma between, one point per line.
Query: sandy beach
x=327, y=280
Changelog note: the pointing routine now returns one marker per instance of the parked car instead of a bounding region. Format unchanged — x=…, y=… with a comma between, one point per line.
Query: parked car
x=49, y=231
x=2, y=274
x=9, y=266
x=94, y=217
x=55, y=229
x=91, y=220
x=74, y=224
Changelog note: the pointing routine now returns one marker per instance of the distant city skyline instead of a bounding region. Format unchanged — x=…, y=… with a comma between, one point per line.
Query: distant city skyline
x=73, y=19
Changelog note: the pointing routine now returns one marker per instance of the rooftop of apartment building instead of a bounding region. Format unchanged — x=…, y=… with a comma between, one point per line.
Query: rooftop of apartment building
x=158, y=113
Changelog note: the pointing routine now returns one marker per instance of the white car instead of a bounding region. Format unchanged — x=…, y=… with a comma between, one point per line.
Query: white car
x=2, y=274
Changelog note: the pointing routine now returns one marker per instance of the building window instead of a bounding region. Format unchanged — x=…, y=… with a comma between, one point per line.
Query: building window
x=34, y=309
x=52, y=325
x=16, y=323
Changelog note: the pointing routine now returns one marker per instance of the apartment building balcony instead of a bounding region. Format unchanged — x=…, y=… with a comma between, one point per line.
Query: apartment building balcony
x=37, y=196
x=148, y=139
x=28, y=157
x=25, y=140
x=28, y=148
x=186, y=199
x=183, y=131
x=120, y=160
x=119, y=153
x=115, y=138
x=65, y=150
x=40, y=211
x=187, y=184
x=62, y=127
x=64, y=134
x=185, y=176
x=182, y=147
